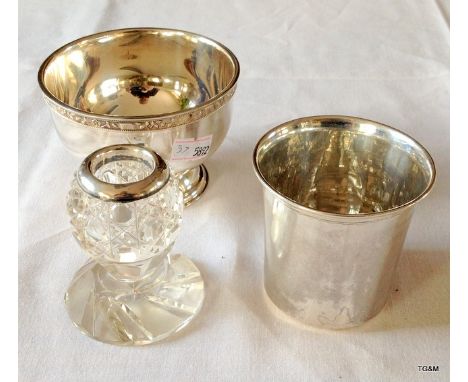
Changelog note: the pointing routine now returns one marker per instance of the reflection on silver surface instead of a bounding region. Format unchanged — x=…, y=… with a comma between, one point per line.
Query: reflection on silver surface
x=137, y=73
x=338, y=194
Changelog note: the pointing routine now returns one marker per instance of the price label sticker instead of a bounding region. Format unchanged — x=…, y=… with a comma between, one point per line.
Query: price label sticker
x=191, y=149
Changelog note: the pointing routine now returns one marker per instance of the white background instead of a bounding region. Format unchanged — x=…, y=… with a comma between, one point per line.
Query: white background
x=383, y=60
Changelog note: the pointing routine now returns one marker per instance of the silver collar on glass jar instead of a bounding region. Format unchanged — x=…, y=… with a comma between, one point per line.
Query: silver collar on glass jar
x=157, y=173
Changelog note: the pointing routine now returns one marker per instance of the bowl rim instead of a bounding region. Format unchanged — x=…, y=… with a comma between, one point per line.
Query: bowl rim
x=122, y=118
x=333, y=215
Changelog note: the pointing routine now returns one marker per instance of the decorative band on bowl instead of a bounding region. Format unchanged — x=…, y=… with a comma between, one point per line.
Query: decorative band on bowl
x=129, y=124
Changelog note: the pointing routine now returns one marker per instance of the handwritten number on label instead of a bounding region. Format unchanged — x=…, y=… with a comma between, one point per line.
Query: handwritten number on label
x=201, y=151
x=182, y=149
x=191, y=150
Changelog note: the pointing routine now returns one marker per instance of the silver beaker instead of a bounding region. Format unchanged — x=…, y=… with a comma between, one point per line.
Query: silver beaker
x=339, y=193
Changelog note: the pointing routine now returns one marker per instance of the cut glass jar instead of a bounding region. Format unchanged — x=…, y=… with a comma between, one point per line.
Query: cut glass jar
x=126, y=211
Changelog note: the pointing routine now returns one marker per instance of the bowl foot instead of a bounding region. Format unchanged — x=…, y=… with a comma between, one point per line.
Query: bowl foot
x=139, y=312
x=193, y=183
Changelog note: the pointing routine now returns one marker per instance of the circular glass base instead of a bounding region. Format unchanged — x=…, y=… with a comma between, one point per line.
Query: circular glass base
x=193, y=183
x=135, y=313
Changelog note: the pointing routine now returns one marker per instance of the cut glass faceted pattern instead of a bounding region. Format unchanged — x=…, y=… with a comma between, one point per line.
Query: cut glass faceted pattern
x=126, y=232
x=136, y=313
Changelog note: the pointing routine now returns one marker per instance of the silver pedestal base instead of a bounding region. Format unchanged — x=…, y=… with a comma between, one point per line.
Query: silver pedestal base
x=193, y=183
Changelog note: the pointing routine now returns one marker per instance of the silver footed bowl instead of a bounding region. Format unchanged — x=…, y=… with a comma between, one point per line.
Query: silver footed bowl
x=163, y=88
